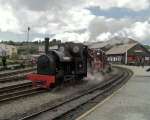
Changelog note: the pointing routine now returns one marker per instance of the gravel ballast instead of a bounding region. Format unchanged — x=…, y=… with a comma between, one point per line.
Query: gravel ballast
x=23, y=105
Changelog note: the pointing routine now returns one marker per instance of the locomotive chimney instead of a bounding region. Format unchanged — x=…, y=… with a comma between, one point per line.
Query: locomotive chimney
x=46, y=45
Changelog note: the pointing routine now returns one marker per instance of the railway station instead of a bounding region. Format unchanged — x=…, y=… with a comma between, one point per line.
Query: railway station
x=74, y=60
x=75, y=82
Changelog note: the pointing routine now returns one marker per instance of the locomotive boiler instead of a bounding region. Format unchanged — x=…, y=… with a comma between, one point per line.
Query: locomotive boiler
x=68, y=62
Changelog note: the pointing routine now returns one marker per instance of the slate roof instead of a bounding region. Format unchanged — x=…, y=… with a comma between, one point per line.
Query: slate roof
x=120, y=49
x=98, y=45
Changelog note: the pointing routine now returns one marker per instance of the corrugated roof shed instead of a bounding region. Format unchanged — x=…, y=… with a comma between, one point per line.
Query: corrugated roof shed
x=120, y=49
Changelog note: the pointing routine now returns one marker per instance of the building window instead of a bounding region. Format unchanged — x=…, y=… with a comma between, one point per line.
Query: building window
x=147, y=58
x=111, y=59
x=115, y=59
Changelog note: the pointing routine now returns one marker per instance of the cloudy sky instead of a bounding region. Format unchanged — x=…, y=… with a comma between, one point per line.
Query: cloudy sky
x=75, y=20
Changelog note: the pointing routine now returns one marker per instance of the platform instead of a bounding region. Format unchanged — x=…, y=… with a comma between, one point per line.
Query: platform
x=131, y=102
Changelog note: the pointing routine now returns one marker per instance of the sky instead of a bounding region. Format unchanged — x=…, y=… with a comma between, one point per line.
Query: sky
x=75, y=20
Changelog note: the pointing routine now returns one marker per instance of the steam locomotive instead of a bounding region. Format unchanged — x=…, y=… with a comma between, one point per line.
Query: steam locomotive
x=68, y=62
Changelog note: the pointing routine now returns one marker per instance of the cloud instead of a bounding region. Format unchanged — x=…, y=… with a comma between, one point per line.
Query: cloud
x=102, y=25
x=55, y=5
x=50, y=16
x=8, y=21
x=49, y=5
x=135, y=5
x=71, y=20
x=76, y=37
x=104, y=36
x=139, y=31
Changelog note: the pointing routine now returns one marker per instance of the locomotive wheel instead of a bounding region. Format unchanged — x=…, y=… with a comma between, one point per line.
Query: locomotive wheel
x=79, y=77
x=60, y=77
x=59, y=81
x=53, y=85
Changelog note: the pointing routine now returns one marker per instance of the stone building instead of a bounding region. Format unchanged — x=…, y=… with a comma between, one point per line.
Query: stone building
x=8, y=50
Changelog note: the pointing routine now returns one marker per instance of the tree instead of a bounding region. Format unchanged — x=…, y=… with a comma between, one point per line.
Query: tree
x=10, y=42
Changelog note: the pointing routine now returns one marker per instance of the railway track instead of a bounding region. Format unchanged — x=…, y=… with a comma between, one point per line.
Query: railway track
x=12, y=72
x=17, y=91
x=63, y=107
x=15, y=75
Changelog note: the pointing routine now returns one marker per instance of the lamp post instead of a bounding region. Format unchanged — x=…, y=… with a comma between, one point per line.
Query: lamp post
x=126, y=55
x=28, y=45
x=28, y=34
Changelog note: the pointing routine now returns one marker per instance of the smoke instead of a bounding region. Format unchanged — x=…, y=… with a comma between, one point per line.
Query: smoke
x=94, y=76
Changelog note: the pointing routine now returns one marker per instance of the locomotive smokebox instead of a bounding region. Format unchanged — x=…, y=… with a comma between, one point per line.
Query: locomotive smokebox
x=46, y=45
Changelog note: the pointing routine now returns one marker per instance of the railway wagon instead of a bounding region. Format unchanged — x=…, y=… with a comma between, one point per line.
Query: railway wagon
x=97, y=59
x=68, y=62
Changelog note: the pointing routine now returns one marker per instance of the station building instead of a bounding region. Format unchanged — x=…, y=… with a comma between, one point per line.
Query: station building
x=128, y=53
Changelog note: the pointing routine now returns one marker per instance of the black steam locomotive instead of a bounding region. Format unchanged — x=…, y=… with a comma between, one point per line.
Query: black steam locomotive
x=68, y=62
